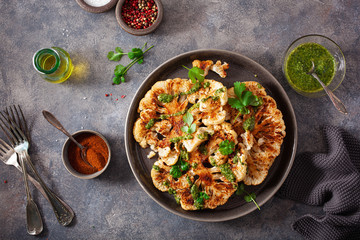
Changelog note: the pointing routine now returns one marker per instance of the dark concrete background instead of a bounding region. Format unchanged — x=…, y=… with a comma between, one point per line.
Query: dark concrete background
x=113, y=206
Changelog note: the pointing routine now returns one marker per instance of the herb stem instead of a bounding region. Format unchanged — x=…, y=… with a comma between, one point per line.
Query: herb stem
x=252, y=199
x=236, y=117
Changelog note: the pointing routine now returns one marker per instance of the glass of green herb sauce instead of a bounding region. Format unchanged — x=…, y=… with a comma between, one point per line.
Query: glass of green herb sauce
x=329, y=64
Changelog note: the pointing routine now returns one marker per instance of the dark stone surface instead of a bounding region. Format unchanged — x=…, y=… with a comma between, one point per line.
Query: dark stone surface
x=113, y=206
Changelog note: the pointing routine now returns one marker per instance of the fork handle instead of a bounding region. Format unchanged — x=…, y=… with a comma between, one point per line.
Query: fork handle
x=42, y=191
x=63, y=212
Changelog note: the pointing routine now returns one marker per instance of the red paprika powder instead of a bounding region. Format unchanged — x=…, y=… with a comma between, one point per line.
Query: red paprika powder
x=97, y=153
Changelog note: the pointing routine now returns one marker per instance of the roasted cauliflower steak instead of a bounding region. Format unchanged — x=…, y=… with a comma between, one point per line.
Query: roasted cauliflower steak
x=189, y=163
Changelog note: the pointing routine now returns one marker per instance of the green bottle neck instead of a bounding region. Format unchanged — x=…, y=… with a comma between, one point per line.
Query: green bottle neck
x=46, y=61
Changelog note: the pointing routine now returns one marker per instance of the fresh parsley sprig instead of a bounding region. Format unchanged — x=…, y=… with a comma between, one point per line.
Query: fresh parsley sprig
x=249, y=197
x=136, y=55
x=226, y=147
x=195, y=74
x=181, y=165
x=243, y=99
x=190, y=127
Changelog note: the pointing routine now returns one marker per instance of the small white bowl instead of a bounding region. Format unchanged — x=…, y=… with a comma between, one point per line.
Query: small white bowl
x=96, y=9
x=67, y=164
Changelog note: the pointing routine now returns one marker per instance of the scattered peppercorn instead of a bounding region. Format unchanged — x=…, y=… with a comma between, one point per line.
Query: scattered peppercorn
x=106, y=95
x=139, y=14
x=123, y=96
x=5, y=181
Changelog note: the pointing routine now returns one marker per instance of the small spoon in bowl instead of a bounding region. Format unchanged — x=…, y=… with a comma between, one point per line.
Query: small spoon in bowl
x=53, y=121
x=336, y=101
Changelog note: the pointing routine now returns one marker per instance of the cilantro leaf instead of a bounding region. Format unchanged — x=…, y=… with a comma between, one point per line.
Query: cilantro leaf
x=240, y=189
x=184, y=166
x=235, y=103
x=239, y=88
x=243, y=99
x=204, y=195
x=120, y=70
x=185, y=129
x=196, y=74
x=175, y=171
x=116, y=80
x=135, y=53
x=249, y=197
x=115, y=56
x=226, y=147
x=188, y=118
x=192, y=128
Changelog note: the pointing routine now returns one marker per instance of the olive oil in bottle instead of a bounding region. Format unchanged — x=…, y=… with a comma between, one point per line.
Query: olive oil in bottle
x=53, y=64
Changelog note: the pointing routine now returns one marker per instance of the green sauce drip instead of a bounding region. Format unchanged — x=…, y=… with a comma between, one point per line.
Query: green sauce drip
x=226, y=171
x=150, y=123
x=249, y=123
x=166, y=98
x=178, y=139
x=299, y=64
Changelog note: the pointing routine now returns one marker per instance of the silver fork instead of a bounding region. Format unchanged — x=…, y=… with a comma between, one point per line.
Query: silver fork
x=9, y=157
x=34, y=224
x=64, y=214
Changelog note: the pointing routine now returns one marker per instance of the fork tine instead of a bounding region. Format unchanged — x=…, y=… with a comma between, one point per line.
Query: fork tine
x=23, y=120
x=7, y=134
x=4, y=147
x=17, y=115
x=15, y=128
x=10, y=114
x=12, y=129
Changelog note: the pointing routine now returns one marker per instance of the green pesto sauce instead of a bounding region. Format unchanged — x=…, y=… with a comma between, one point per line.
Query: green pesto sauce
x=226, y=171
x=299, y=64
x=166, y=98
x=178, y=139
x=249, y=124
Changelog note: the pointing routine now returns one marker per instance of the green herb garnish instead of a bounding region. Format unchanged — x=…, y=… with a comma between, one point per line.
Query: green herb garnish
x=116, y=56
x=166, y=98
x=156, y=167
x=136, y=55
x=249, y=197
x=249, y=124
x=243, y=99
x=178, y=139
x=181, y=166
x=203, y=136
x=198, y=196
x=150, y=123
x=227, y=172
x=175, y=171
x=226, y=147
x=190, y=127
x=196, y=74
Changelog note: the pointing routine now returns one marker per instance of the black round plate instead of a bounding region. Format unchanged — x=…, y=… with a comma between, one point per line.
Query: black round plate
x=241, y=69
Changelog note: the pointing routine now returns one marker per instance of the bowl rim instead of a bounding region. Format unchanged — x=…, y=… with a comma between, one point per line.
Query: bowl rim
x=94, y=9
x=139, y=32
x=321, y=92
x=67, y=164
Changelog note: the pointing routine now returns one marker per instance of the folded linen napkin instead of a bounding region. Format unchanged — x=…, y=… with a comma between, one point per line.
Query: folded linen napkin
x=330, y=180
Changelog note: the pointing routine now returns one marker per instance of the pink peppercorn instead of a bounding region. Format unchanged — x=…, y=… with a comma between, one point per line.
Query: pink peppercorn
x=139, y=14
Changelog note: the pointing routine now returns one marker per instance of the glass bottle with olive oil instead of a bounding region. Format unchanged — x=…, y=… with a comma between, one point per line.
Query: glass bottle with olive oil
x=53, y=64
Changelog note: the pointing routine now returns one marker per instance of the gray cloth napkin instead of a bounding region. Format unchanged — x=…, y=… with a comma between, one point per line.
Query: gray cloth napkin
x=330, y=180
